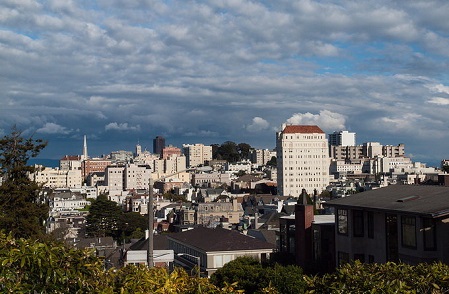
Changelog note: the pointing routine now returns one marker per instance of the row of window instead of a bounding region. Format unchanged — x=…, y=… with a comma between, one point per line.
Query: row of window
x=408, y=228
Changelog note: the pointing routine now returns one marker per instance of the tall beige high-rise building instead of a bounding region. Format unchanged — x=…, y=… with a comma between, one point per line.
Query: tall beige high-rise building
x=197, y=154
x=302, y=160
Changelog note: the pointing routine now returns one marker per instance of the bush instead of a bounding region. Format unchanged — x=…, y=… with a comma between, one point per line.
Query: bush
x=383, y=278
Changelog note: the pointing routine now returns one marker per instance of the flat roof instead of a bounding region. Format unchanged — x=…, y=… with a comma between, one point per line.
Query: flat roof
x=431, y=201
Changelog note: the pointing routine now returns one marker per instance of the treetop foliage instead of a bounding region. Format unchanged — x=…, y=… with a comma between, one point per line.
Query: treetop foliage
x=23, y=210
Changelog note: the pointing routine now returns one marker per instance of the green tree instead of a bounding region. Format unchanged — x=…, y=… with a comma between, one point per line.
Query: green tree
x=104, y=218
x=132, y=225
x=272, y=161
x=246, y=271
x=23, y=210
x=244, y=149
x=229, y=151
x=287, y=279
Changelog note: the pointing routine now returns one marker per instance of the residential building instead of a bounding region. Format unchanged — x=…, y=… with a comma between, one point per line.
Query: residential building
x=366, y=150
x=70, y=162
x=169, y=151
x=342, y=138
x=302, y=159
x=121, y=156
x=93, y=165
x=197, y=154
x=57, y=178
x=213, y=248
x=162, y=256
x=407, y=223
x=244, y=166
x=211, y=179
x=261, y=156
x=209, y=214
x=136, y=176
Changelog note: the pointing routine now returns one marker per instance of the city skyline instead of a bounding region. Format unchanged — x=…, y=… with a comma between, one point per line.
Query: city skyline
x=123, y=72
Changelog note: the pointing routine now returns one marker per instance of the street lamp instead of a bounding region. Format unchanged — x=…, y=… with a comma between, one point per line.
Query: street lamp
x=198, y=260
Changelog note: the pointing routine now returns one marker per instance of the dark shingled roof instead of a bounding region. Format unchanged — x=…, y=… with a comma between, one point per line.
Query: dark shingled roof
x=219, y=239
x=160, y=242
x=432, y=201
x=294, y=129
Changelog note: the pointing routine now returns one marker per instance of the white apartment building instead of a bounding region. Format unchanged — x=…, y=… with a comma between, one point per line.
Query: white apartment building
x=345, y=167
x=244, y=165
x=68, y=201
x=127, y=177
x=136, y=176
x=174, y=164
x=342, y=138
x=57, y=178
x=261, y=156
x=197, y=154
x=113, y=178
x=210, y=179
x=302, y=159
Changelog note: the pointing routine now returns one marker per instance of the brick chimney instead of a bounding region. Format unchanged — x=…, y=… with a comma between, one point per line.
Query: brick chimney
x=304, y=236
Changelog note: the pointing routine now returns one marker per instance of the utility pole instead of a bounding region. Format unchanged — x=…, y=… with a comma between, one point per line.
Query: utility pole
x=150, y=253
x=150, y=257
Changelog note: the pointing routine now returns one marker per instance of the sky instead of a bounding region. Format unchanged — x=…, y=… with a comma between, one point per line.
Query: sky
x=122, y=72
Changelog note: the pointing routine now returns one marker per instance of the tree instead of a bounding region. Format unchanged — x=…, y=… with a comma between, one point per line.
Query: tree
x=246, y=271
x=104, y=218
x=229, y=151
x=132, y=225
x=244, y=149
x=272, y=161
x=23, y=210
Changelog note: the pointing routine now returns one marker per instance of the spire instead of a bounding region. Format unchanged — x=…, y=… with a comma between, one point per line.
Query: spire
x=85, y=156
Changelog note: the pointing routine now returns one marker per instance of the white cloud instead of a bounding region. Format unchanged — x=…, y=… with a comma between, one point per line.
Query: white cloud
x=439, y=100
x=121, y=127
x=52, y=128
x=258, y=124
x=326, y=120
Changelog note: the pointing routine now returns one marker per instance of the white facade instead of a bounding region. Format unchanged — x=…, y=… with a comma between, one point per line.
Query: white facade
x=197, y=154
x=303, y=160
x=64, y=203
x=206, y=179
x=342, y=138
x=239, y=166
x=113, y=178
x=56, y=178
x=261, y=156
x=136, y=176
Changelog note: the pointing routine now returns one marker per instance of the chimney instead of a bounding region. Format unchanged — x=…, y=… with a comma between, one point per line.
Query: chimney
x=304, y=236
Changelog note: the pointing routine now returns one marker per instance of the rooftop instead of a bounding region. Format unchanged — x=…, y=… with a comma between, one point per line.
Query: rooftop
x=431, y=201
x=219, y=239
x=303, y=129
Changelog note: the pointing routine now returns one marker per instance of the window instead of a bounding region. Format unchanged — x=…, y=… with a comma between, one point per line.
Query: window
x=358, y=225
x=370, y=217
x=360, y=257
x=342, y=221
x=408, y=230
x=429, y=235
x=343, y=258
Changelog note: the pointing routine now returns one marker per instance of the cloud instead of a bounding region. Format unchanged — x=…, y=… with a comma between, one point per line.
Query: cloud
x=121, y=127
x=258, y=124
x=326, y=120
x=52, y=128
x=193, y=70
x=439, y=100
